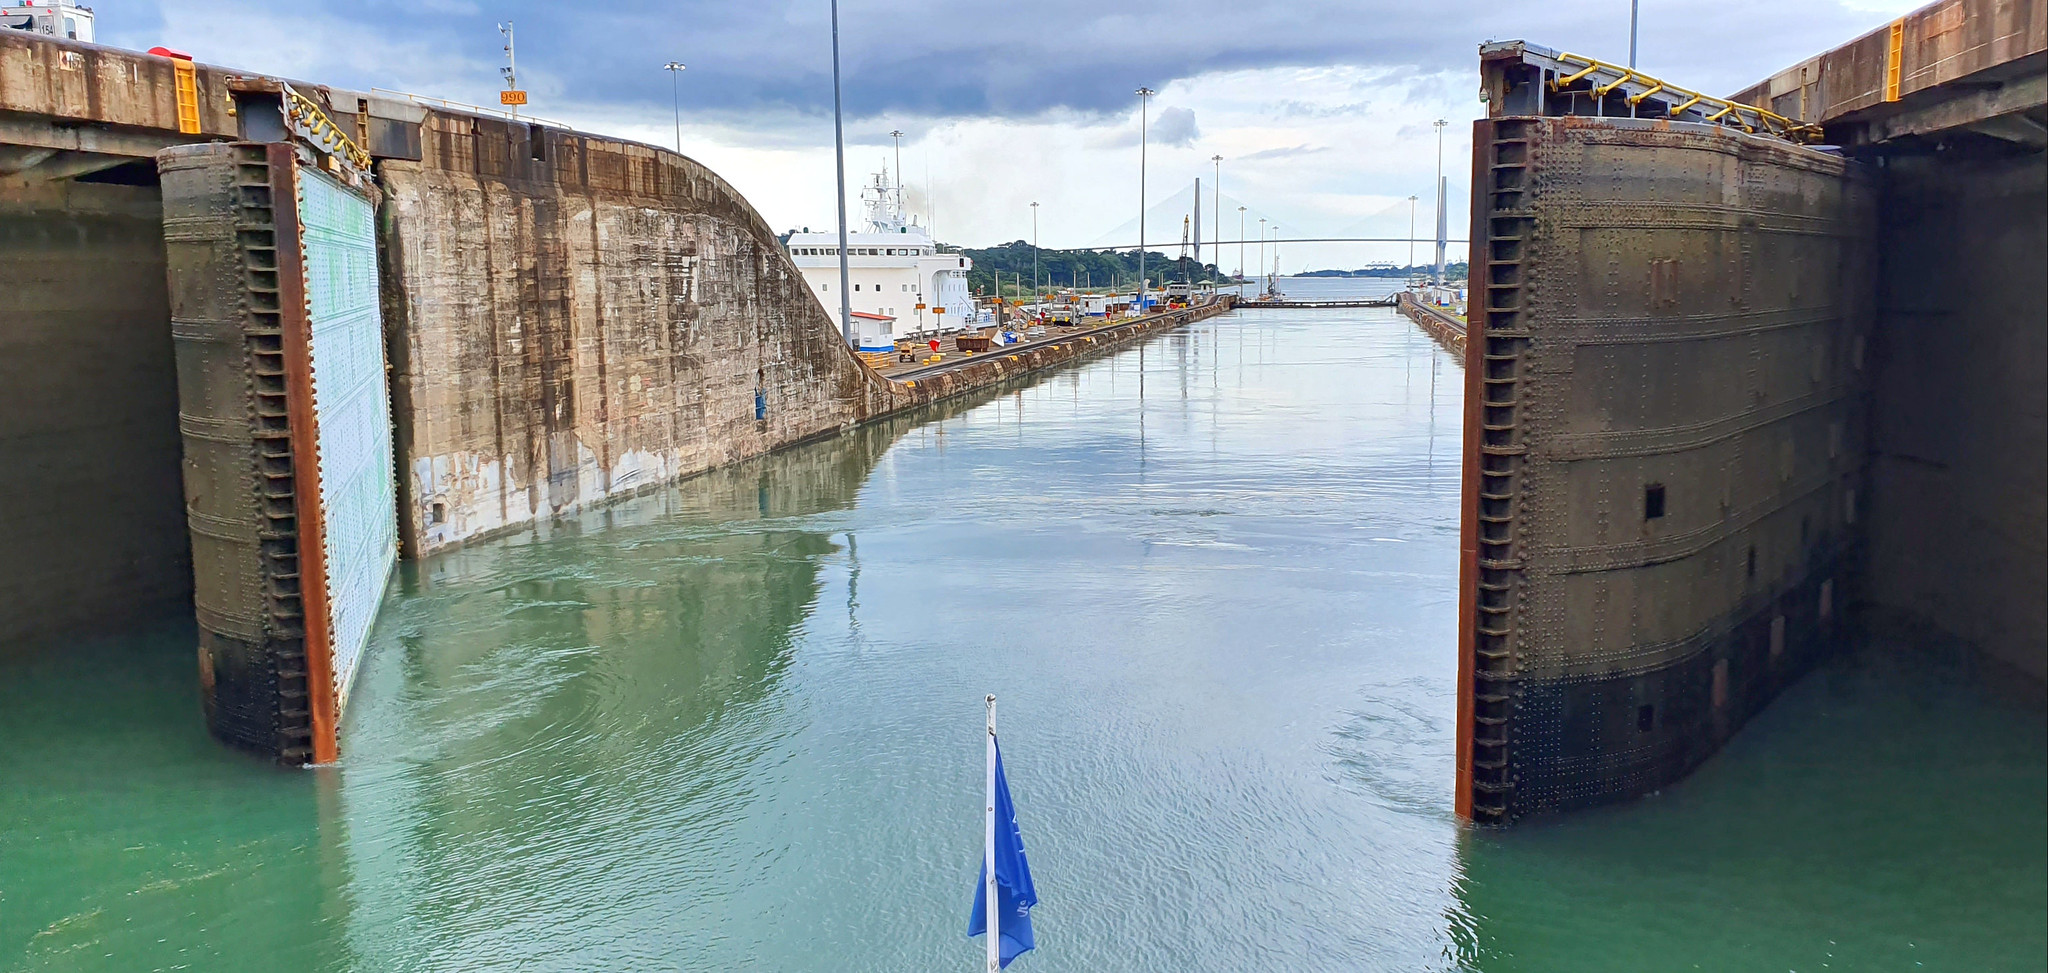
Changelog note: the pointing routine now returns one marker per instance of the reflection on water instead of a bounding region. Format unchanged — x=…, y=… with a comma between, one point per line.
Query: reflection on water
x=1890, y=812
x=129, y=839
x=736, y=725
x=545, y=750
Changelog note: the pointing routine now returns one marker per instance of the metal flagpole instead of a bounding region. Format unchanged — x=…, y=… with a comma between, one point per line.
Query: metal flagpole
x=988, y=848
x=839, y=153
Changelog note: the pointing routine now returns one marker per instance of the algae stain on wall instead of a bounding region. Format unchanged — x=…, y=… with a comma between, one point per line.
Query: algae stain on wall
x=584, y=320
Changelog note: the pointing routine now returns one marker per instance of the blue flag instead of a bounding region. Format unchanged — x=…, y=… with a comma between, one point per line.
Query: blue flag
x=1014, y=894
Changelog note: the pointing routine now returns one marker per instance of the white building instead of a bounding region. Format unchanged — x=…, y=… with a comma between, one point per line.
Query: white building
x=873, y=332
x=893, y=268
x=56, y=18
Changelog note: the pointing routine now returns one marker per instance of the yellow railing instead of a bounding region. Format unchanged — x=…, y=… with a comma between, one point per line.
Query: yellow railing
x=319, y=127
x=1749, y=118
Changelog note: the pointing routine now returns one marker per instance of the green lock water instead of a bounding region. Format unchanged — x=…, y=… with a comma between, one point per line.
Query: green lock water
x=737, y=725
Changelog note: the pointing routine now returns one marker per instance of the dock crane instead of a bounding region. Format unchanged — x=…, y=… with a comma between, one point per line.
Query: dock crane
x=1182, y=291
x=1184, y=279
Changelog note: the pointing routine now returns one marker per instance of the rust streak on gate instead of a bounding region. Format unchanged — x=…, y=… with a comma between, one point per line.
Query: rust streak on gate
x=295, y=330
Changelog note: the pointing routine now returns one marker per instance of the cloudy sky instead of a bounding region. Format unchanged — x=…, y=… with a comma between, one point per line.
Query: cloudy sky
x=1321, y=109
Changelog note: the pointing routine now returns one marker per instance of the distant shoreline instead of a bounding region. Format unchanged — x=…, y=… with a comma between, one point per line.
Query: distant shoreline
x=1454, y=271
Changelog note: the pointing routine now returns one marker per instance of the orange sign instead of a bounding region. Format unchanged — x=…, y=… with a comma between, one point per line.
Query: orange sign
x=512, y=97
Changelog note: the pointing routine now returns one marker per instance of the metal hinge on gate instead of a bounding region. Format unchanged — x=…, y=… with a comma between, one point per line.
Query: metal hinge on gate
x=273, y=111
x=1574, y=84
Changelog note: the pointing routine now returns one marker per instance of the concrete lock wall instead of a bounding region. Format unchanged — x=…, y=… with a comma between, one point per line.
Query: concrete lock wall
x=571, y=319
x=1959, y=514
x=1948, y=104
x=1664, y=446
x=92, y=530
x=576, y=319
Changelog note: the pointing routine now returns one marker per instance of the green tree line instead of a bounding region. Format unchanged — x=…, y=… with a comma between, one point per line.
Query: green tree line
x=1098, y=269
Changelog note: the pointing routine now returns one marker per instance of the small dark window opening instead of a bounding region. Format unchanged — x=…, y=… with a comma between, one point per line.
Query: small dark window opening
x=1752, y=561
x=1653, y=501
x=537, y=138
x=141, y=172
x=1646, y=718
x=437, y=515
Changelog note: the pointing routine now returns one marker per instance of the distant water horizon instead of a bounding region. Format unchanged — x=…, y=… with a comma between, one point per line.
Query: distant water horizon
x=1327, y=288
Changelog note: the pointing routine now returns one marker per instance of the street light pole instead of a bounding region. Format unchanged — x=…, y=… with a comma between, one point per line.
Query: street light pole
x=1034, y=252
x=1240, y=251
x=675, y=73
x=1262, y=246
x=839, y=156
x=1144, y=130
x=1218, y=208
x=1411, y=234
x=1632, y=34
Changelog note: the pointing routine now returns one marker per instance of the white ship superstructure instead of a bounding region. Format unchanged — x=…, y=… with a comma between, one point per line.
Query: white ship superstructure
x=895, y=271
x=55, y=18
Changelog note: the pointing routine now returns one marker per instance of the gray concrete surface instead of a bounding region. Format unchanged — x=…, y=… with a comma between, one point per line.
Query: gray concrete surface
x=92, y=526
x=1959, y=444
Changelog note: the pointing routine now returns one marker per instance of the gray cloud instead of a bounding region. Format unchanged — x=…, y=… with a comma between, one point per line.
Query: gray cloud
x=1286, y=152
x=934, y=58
x=1176, y=127
x=1302, y=109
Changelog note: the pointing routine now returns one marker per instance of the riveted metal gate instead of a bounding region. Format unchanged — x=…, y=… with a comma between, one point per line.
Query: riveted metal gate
x=1663, y=445
x=286, y=430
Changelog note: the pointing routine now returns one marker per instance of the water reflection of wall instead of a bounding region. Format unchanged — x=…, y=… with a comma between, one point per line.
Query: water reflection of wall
x=131, y=839
x=542, y=716
x=1782, y=853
